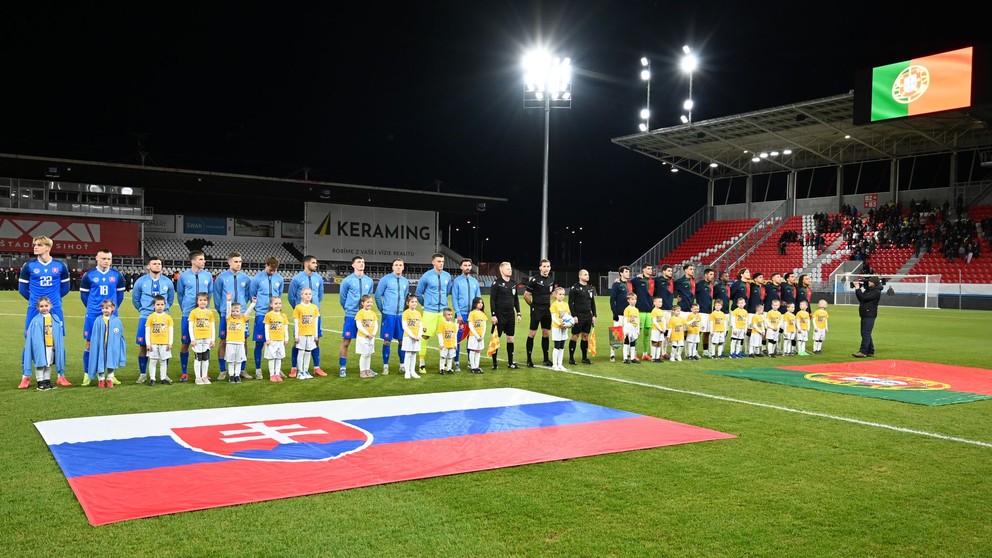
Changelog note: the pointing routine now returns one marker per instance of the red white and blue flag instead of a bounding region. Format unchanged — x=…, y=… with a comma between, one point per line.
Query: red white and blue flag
x=131, y=466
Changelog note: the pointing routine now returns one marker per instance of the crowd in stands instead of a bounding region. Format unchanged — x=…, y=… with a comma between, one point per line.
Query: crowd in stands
x=921, y=226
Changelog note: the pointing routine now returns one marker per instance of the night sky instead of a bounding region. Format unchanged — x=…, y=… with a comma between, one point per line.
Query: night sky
x=411, y=94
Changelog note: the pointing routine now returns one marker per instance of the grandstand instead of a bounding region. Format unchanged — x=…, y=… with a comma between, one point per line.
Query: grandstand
x=799, y=142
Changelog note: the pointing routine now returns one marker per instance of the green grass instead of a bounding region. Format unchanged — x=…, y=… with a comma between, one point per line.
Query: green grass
x=797, y=481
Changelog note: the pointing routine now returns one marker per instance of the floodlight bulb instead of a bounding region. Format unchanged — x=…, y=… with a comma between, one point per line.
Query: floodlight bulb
x=686, y=49
x=763, y=154
x=755, y=159
x=645, y=75
x=689, y=63
x=675, y=169
x=645, y=114
x=643, y=127
x=787, y=152
x=687, y=105
x=645, y=62
x=774, y=153
x=713, y=165
x=684, y=119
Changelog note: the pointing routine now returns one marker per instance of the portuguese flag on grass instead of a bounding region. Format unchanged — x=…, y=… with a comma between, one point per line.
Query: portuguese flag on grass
x=922, y=85
x=908, y=381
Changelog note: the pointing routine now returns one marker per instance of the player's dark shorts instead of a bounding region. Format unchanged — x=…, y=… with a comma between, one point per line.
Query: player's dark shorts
x=184, y=329
x=350, y=328
x=584, y=325
x=506, y=322
x=540, y=316
x=392, y=327
x=88, y=325
x=260, y=327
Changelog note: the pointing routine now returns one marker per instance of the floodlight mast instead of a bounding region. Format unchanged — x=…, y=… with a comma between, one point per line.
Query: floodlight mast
x=688, y=64
x=547, y=85
x=646, y=113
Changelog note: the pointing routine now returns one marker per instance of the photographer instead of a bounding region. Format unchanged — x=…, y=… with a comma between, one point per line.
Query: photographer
x=868, y=299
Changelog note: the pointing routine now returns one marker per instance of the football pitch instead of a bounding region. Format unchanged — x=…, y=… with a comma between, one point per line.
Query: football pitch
x=811, y=473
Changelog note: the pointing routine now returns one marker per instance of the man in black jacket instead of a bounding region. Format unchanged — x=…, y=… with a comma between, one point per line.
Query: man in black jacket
x=868, y=299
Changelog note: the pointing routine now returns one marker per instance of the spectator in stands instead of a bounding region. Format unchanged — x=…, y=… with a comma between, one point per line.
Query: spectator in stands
x=353, y=288
x=146, y=288
x=101, y=283
x=464, y=289
x=390, y=297
x=192, y=282
x=265, y=286
x=236, y=283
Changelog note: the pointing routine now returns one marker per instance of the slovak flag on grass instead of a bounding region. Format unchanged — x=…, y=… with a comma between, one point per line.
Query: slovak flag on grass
x=131, y=466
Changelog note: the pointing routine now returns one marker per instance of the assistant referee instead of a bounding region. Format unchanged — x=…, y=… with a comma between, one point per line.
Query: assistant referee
x=505, y=306
x=582, y=305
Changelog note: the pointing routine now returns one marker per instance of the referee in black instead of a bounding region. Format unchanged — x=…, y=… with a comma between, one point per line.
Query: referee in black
x=582, y=305
x=505, y=306
x=538, y=296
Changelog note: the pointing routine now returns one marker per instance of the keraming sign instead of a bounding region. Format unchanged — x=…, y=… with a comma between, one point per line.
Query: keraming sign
x=338, y=232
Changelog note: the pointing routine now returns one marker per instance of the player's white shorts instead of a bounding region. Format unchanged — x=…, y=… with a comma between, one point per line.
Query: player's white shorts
x=234, y=353
x=448, y=353
x=771, y=335
x=738, y=334
x=307, y=343
x=657, y=336
x=478, y=343
x=677, y=344
x=410, y=344
x=692, y=338
x=819, y=334
x=718, y=337
x=200, y=345
x=631, y=331
x=275, y=350
x=790, y=335
x=159, y=352
x=756, y=339
x=704, y=324
x=364, y=345
x=802, y=335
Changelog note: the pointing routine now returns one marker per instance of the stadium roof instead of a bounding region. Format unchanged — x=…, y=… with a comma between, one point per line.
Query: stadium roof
x=820, y=133
x=240, y=186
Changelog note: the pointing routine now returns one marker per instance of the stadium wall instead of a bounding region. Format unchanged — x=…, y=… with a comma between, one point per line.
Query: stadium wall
x=829, y=204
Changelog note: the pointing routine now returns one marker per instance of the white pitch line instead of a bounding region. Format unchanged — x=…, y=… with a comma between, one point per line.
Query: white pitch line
x=790, y=410
x=751, y=403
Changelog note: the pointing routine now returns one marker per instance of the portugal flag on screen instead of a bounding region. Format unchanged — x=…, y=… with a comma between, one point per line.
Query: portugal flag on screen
x=922, y=85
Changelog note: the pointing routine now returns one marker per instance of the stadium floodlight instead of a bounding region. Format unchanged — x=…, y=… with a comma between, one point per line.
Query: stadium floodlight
x=646, y=113
x=688, y=64
x=547, y=85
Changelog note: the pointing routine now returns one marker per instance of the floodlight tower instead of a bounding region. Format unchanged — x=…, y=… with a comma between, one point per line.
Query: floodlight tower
x=547, y=85
x=646, y=111
x=688, y=65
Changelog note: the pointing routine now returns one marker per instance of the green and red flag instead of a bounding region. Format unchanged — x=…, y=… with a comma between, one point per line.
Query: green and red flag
x=923, y=383
x=922, y=85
